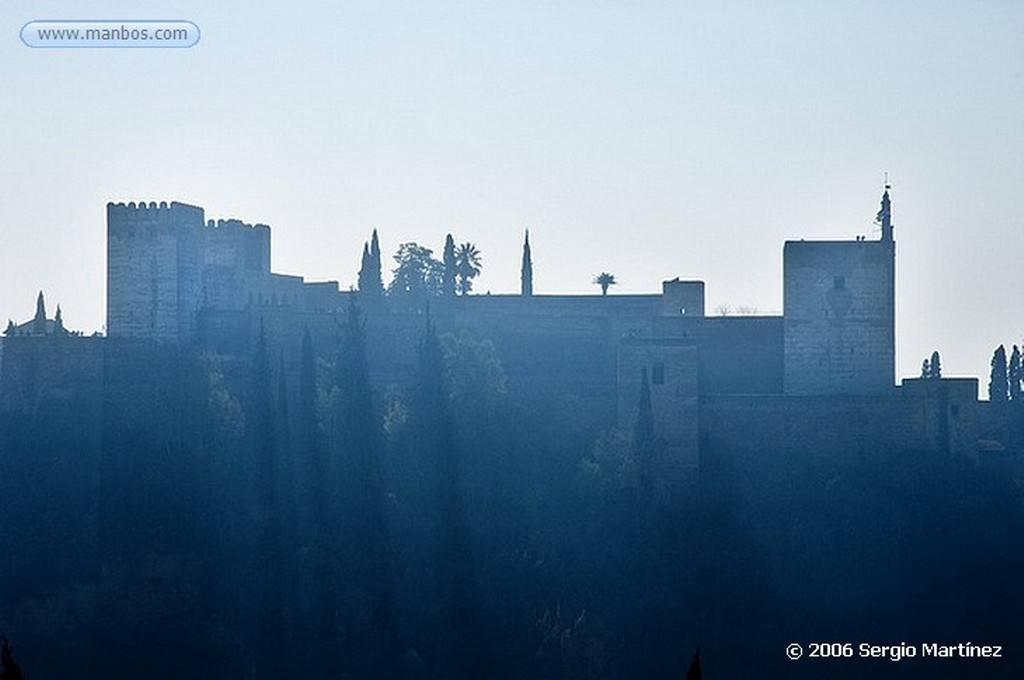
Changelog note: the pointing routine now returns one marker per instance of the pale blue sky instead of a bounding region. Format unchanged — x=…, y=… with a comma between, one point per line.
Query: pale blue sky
x=648, y=139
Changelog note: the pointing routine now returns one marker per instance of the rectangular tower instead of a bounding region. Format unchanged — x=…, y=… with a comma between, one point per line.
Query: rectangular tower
x=154, y=270
x=839, y=316
x=671, y=368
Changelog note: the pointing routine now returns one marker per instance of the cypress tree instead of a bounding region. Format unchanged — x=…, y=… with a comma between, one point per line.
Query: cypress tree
x=374, y=640
x=282, y=437
x=376, y=272
x=371, y=286
x=936, y=366
x=268, y=558
x=39, y=320
x=997, y=384
x=644, y=440
x=321, y=624
x=460, y=650
x=450, y=268
x=926, y=369
x=365, y=275
x=1014, y=373
x=527, y=270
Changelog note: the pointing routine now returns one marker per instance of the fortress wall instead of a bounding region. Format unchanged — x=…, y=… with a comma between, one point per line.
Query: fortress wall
x=1001, y=428
x=154, y=270
x=942, y=420
x=236, y=261
x=237, y=246
x=622, y=306
x=671, y=366
x=61, y=376
x=839, y=317
x=735, y=354
x=278, y=290
x=569, y=360
x=682, y=298
x=140, y=378
x=954, y=403
x=815, y=425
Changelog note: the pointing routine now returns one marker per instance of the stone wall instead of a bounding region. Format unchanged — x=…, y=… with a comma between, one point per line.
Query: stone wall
x=735, y=354
x=236, y=258
x=154, y=270
x=682, y=298
x=59, y=376
x=940, y=417
x=839, y=313
x=671, y=367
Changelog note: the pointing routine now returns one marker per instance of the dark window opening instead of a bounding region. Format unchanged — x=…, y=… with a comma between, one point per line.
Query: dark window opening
x=658, y=374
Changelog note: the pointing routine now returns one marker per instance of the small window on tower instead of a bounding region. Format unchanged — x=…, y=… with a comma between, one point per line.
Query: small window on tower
x=658, y=374
x=839, y=283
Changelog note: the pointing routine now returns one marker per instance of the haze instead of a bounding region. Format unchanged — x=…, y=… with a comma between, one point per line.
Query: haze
x=652, y=140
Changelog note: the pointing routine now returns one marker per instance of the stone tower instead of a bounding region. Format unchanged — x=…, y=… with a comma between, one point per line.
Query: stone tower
x=154, y=270
x=839, y=313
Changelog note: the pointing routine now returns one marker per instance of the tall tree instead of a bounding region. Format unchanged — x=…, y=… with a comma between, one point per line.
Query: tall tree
x=1014, y=374
x=262, y=443
x=644, y=438
x=460, y=651
x=604, y=279
x=368, y=573
x=936, y=366
x=451, y=267
x=417, y=276
x=364, y=271
x=467, y=266
x=376, y=267
x=283, y=440
x=371, y=285
x=39, y=320
x=318, y=529
x=998, y=390
x=526, y=273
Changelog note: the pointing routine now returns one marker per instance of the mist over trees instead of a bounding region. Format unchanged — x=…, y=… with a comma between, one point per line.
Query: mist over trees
x=280, y=514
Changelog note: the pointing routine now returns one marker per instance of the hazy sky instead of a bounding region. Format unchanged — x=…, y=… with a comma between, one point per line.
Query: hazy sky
x=647, y=139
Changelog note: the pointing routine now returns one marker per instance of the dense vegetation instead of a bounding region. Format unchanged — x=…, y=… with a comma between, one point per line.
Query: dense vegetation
x=224, y=522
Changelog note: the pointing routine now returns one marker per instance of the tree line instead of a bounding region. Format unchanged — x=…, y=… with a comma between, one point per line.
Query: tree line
x=1005, y=378
x=418, y=275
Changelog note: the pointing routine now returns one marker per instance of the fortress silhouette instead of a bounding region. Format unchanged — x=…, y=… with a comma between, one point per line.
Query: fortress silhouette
x=819, y=378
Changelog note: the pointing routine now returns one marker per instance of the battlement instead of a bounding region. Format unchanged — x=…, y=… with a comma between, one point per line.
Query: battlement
x=154, y=260
x=236, y=225
x=237, y=246
x=151, y=210
x=125, y=220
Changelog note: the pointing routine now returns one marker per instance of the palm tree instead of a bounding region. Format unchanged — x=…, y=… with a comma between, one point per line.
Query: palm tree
x=604, y=279
x=467, y=266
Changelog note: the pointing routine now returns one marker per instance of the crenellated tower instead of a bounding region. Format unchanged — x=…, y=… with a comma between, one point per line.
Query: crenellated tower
x=154, y=270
